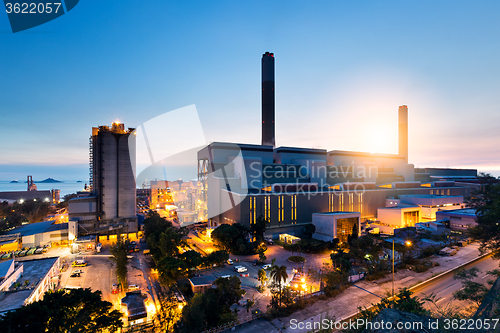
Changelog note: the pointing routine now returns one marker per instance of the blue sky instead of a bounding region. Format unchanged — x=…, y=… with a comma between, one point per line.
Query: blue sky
x=342, y=70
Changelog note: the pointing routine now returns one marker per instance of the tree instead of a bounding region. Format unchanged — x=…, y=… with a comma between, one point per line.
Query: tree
x=233, y=238
x=169, y=312
x=486, y=202
x=75, y=311
x=162, y=237
x=258, y=228
x=64, y=203
x=191, y=258
x=354, y=233
x=402, y=302
x=340, y=260
x=171, y=270
x=193, y=318
x=249, y=304
x=278, y=274
x=216, y=257
x=30, y=211
x=212, y=308
x=119, y=252
x=262, y=276
x=471, y=291
x=261, y=249
x=309, y=230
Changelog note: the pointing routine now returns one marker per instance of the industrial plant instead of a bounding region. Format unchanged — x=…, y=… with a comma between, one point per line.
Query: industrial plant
x=109, y=204
x=287, y=186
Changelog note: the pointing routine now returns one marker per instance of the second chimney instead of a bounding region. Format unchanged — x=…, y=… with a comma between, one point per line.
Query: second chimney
x=403, y=132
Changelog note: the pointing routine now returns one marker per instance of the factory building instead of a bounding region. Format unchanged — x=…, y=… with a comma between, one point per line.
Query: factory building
x=459, y=220
x=110, y=206
x=287, y=185
x=31, y=193
x=41, y=234
x=429, y=204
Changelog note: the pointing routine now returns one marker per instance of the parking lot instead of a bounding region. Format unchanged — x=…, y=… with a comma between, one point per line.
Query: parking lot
x=97, y=275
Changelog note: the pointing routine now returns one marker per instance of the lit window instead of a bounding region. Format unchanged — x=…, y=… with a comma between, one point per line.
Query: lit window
x=293, y=205
x=281, y=210
x=253, y=213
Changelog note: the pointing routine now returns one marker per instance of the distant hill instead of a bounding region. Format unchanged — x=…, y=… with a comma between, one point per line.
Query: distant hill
x=14, y=182
x=50, y=180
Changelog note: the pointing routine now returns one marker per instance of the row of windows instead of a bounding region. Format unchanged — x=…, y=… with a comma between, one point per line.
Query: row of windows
x=331, y=198
x=442, y=192
x=293, y=205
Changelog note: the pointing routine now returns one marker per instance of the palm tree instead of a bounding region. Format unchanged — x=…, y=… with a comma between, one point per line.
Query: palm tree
x=278, y=274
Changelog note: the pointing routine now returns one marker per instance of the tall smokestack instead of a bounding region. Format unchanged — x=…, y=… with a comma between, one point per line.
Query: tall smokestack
x=268, y=99
x=403, y=132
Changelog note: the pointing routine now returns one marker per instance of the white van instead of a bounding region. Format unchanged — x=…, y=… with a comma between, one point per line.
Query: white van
x=236, y=267
x=241, y=269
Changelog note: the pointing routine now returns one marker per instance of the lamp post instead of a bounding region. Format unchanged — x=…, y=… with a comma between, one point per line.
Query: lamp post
x=393, y=267
x=407, y=243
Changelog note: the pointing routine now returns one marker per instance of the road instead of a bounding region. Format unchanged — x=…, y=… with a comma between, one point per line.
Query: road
x=346, y=304
x=446, y=286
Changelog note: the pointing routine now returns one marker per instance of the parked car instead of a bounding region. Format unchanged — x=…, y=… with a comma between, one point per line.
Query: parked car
x=74, y=274
x=79, y=263
x=229, y=262
x=133, y=287
x=236, y=267
x=241, y=269
x=269, y=241
x=255, y=262
x=266, y=266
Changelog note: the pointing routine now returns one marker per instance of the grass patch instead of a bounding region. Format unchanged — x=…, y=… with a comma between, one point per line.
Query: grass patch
x=298, y=259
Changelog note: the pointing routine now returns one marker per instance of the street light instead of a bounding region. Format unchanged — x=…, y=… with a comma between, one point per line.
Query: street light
x=407, y=243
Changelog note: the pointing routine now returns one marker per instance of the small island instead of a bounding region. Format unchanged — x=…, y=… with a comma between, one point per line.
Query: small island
x=14, y=181
x=50, y=180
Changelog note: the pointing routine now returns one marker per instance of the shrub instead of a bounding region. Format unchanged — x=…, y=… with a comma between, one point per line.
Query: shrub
x=299, y=259
x=429, y=251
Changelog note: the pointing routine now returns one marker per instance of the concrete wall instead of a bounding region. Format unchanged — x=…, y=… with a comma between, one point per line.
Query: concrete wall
x=45, y=238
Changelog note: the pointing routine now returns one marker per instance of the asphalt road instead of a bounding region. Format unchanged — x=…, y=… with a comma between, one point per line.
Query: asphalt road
x=99, y=275
x=446, y=286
